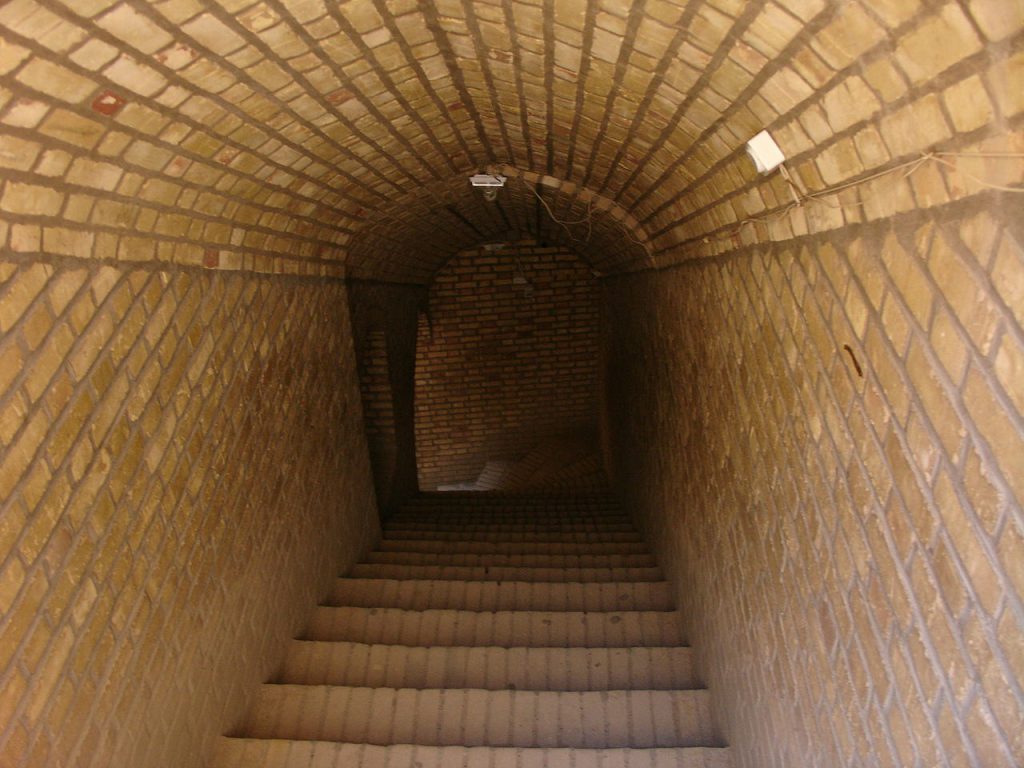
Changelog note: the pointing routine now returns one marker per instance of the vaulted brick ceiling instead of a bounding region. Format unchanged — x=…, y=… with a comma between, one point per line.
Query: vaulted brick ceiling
x=321, y=132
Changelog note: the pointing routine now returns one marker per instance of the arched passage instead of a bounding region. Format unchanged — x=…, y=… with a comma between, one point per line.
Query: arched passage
x=814, y=376
x=507, y=368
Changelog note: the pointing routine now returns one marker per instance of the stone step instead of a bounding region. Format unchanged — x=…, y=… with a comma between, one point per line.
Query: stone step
x=499, y=559
x=538, y=537
x=497, y=514
x=397, y=544
x=506, y=629
x=511, y=524
x=502, y=573
x=473, y=717
x=279, y=753
x=451, y=499
x=415, y=594
x=487, y=667
x=509, y=516
x=518, y=528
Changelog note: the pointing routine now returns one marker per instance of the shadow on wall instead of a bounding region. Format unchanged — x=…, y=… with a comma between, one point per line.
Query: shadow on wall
x=384, y=322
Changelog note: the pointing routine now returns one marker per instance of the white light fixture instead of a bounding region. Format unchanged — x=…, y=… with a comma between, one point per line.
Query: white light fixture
x=487, y=180
x=765, y=152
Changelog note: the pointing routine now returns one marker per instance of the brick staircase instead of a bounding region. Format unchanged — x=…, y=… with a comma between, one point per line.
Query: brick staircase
x=489, y=631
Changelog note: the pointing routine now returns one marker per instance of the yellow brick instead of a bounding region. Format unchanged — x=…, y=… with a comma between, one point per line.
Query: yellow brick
x=848, y=36
x=11, y=695
x=883, y=77
x=67, y=242
x=42, y=26
x=982, y=495
x=53, y=163
x=950, y=349
x=21, y=617
x=964, y=292
x=1005, y=78
x=915, y=128
x=20, y=294
x=95, y=174
x=93, y=54
x=214, y=34
x=990, y=418
x=17, y=153
x=55, y=80
x=851, y=101
x=1009, y=368
x=49, y=676
x=839, y=162
x=11, y=56
x=135, y=29
x=70, y=127
x=134, y=76
x=909, y=279
x=35, y=326
x=997, y=19
x=11, y=579
x=932, y=47
x=12, y=418
x=967, y=104
x=31, y=199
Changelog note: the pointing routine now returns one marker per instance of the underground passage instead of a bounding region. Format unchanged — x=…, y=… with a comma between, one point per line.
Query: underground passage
x=511, y=383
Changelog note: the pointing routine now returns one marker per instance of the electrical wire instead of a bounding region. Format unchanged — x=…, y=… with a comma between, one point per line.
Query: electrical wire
x=554, y=218
x=588, y=220
x=801, y=198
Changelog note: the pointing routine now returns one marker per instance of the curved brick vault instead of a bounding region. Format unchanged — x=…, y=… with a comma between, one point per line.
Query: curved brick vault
x=287, y=136
x=810, y=385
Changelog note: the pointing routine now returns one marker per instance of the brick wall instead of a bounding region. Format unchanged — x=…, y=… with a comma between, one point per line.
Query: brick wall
x=183, y=470
x=824, y=439
x=508, y=358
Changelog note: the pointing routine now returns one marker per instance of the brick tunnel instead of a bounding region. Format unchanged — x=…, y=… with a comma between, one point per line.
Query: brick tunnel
x=753, y=425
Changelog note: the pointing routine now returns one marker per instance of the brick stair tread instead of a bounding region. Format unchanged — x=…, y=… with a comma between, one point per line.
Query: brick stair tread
x=511, y=515
x=553, y=537
x=516, y=498
x=397, y=544
x=510, y=523
x=524, y=528
x=500, y=559
x=424, y=594
x=611, y=514
x=534, y=510
x=487, y=667
x=234, y=752
x=475, y=717
x=503, y=573
x=488, y=631
x=393, y=626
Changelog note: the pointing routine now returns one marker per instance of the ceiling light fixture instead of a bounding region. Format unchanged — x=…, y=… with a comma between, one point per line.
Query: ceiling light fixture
x=487, y=180
x=490, y=183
